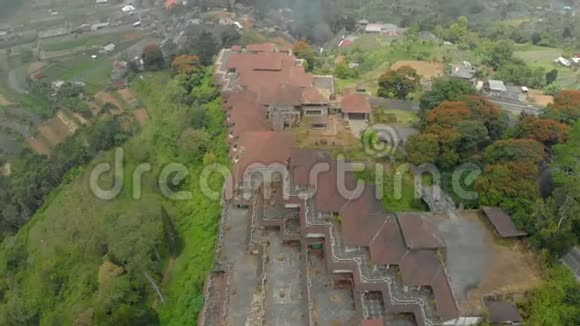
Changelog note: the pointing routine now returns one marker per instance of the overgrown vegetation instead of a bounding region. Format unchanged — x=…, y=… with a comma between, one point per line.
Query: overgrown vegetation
x=35, y=176
x=557, y=302
x=84, y=260
x=458, y=128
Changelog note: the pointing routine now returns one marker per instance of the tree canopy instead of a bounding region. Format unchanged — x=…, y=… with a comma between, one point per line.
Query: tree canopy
x=398, y=83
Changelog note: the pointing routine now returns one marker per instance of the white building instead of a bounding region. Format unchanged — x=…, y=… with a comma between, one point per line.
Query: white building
x=109, y=48
x=563, y=61
x=128, y=8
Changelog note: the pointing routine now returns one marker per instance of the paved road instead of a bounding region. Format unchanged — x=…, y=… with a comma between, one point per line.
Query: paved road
x=514, y=108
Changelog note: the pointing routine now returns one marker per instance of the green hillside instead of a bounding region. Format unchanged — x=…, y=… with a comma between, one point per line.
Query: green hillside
x=82, y=260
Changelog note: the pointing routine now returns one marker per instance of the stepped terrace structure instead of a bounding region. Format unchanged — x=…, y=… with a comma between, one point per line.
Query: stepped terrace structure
x=303, y=242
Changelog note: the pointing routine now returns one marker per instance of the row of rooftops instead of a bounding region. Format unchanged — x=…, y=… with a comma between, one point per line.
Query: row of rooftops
x=408, y=241
x=265, y=75
x=405, y=240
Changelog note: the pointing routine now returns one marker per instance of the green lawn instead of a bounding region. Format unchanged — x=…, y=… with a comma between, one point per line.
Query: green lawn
x=68, y=43
x=402, y=116
x=94, y=72
x=538, y=56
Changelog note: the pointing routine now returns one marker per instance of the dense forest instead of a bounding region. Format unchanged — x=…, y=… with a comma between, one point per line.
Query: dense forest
x=458, y=127
x=320, y=20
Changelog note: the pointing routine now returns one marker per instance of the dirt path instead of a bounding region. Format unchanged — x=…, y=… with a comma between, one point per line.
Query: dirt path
x=166, y=277
x=4, y=101
x=168, y=271
x=16, y=81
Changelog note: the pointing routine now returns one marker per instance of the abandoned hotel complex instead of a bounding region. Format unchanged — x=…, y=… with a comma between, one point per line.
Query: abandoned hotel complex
x=305, y=254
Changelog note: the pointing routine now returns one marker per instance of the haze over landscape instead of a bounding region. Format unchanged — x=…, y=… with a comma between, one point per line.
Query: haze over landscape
x=289, y=162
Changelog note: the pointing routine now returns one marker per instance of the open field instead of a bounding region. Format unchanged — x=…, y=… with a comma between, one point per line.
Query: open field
x=94, y=72
x=538, y=56
x=375, y=55
x=539, y=98
x=394, y=116
x=87, y=41
x=427, y=70
x=510, y=267
x=4, y=101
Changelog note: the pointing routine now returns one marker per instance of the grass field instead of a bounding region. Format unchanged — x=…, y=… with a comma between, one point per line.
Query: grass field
x=67, y=43
x=94, y=72
x=538, y=56
x=402, y=116
x=376, y=55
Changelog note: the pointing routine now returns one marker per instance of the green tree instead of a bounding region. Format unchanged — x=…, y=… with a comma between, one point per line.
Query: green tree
x=194, y=143
x=422, y=148
x=153, y=57
x=552, y=89
x=343, y=71
x=304, y=51
x=474, y=136
x=551, y=76
x=496, y=54
x=515, y=150
x=444, y=90
x=206, y=48
x=554, y=303
x=566, y=107
x=398, y=83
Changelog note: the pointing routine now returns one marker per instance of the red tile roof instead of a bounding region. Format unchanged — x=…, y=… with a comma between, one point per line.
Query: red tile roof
x=501, y=312
x=502, y=222
x=419, y=233
x=302, y=162
x=330, y=197
x=345, y=43
x=362, y=219
x=247, y=115
x=260, y=61
x=372, y=322
x=262, y=47
x=262, y=148
x=420, y=267
x=311, y=95
x=424, y=268
x=387, y=247
x=355, y=103
x=169, y=4
x=445, y=305
x=281, y=95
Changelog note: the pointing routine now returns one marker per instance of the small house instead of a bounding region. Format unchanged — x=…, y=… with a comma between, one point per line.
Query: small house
x=495, y=87
x=355, y=107
x=503, y=313
x=128, y=9
x=563, y=61
x=464, y=71
x=96, y=27
x=57, y=84
x=109, y=48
